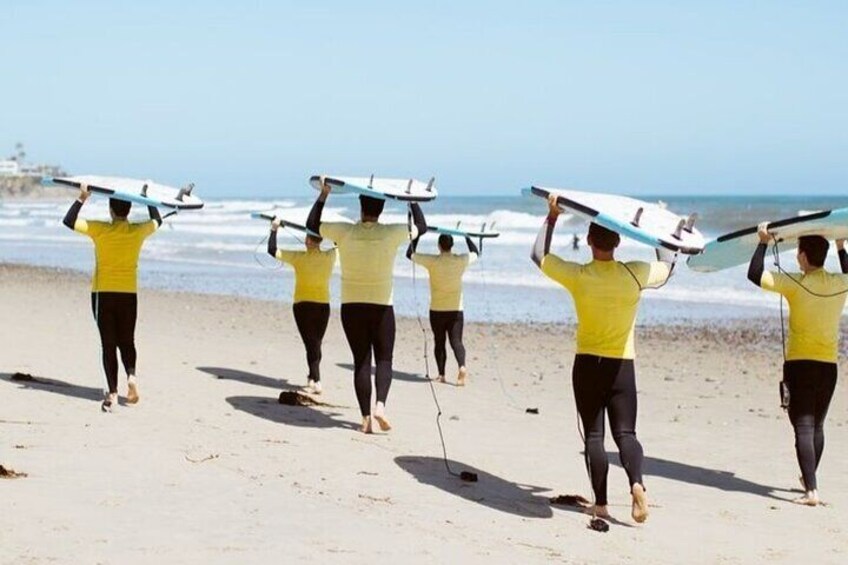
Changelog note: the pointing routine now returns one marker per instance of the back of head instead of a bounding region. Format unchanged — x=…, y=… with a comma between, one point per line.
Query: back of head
x=371, y=207
x=445, y=242
x=815, y=247
x=313, y=240
x=602, y=238
x=120, y=208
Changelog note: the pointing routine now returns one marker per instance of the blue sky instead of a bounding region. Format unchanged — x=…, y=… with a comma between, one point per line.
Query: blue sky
x=250, y=98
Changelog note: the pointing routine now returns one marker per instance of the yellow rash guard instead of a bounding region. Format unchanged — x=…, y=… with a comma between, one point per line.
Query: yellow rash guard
x=606, y=298
x=312, y=271
x=367, y=253
x=445, y=271
x=116, y=248
x=813, y=320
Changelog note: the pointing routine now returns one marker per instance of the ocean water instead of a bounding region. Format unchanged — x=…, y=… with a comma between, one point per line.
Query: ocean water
x=221, y=250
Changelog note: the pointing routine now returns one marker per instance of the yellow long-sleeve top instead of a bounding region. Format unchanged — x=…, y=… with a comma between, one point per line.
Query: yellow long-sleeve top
x=367, y=253
x=813, y=320
x=116, y=249
x=312, y=271
x=445, y=271
x=606, y=299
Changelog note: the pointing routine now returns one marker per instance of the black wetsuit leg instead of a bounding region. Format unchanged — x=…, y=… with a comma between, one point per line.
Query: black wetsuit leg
x=370, y=328
x=607, y=385
x=115, y=314
x=440, y=334
x=311, y=319
x=455, y=337
x=811, y=387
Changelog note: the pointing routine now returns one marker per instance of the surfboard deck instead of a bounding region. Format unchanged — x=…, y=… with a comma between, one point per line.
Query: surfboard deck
x=735, y=248
x=405, y=190
x=463, y=233
x=144, y=192
x=644, y=222
x=284, y=222
x=295, y=221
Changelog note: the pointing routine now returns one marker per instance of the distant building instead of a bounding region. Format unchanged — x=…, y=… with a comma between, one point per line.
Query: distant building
x=9, y=168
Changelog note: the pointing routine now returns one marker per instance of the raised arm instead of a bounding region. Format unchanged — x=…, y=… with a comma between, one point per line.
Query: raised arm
x=758, y=260
x=71, y=216
x=313, y=222
x=419, y=224
x=471, y=247
x=153, y=212
x=843, y=256
x=272, y=238
x=543, y=241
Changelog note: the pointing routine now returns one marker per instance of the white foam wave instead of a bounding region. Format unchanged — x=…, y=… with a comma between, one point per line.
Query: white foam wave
x=248, y=206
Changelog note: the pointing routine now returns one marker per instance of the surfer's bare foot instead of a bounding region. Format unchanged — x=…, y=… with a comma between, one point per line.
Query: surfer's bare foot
x=313, y=387
x=132, y=390
x=809, y=499
x=639, y=510
x=803, y=483
x=438, y=379
x=380, y=416
x=109, y=402
x=597, y=511
x=463, y=374
x=365, y=428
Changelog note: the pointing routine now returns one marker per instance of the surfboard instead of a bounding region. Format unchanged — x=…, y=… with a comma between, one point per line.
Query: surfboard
x=144, y=192
x=645, y=222
x=736, y=248
x=296, y=221
x=482, y=233
x=406, y=190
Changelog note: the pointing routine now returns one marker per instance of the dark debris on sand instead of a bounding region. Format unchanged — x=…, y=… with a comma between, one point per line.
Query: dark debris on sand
x=571, y=500
x=294, y=398
x=6, y=473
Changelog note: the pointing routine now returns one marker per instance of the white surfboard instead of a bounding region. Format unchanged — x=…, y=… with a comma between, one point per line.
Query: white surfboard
x=407, y=190
x=736, y=248
x=645, y=222
x=145, y=192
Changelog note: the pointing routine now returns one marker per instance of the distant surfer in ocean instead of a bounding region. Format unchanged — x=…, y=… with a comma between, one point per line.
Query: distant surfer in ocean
x=311, y=302
x=606, y=296
x=816, y=299
x=114, y=301
x=367, y=252
x=446, y=316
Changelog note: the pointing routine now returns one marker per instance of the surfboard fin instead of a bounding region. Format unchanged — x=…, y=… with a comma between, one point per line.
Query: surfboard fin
x=638, y=217
x=185, y=191
x=371, y=182
x=409, y=187
x=690, y=222
x=430, y=184
x=678, y=232
x=144, y=190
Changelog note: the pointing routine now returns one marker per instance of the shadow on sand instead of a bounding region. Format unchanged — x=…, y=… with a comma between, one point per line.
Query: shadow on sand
x=490, y=491
x=224, y=373
x=396, y=375
x=56, y=387
x=301, y=416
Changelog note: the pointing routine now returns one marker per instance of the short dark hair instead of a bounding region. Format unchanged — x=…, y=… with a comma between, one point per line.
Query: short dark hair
x=371, y=206
x=445, y=242
x=121, y=208
x=815, y=247
x=316, y=238
x=602, y=238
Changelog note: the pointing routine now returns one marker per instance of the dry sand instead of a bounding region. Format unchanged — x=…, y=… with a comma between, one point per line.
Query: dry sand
x=209, y=468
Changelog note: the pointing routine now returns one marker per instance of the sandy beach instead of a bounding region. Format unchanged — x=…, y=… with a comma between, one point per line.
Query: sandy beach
x=210, y=468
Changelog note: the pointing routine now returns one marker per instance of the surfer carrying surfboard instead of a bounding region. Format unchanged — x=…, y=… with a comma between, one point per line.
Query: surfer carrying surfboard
x=816, y=300
x=114, y=301
x=446, y=316
x=367, y=252
x=311, y=302
x=606, y=297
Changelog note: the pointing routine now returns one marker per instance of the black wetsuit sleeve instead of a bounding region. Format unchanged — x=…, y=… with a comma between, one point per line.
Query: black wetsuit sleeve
x=543, y=241
x=843, y=261
x=72, y=214
x=153, y=211
x=272, y=243
x=313, y=222
x=413, y=245
x=471, y=247
x=757, y=265
x=418, y=218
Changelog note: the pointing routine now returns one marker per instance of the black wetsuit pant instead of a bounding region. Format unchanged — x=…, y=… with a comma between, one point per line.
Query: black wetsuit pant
x=811, y=386
x=311, y=319
x=115, y=313
x=447, y=326
x=370, y=328
x=605, y=385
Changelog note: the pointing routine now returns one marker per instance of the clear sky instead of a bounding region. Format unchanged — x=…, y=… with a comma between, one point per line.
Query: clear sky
x=249, y=98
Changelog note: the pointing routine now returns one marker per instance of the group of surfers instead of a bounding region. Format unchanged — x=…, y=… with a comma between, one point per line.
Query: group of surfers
x=606, y=295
